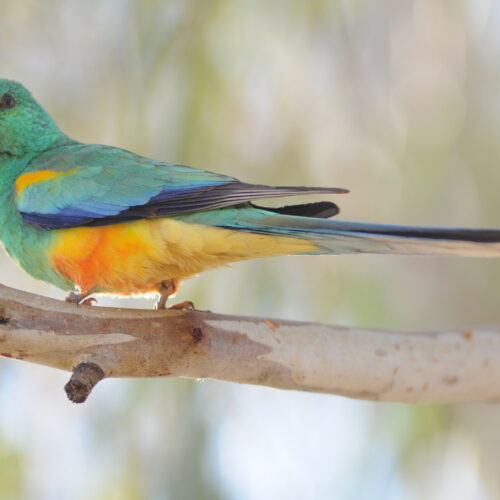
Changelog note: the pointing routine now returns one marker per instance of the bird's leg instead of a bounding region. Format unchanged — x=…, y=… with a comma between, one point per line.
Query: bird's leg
x=167, y=288
x=80, y=298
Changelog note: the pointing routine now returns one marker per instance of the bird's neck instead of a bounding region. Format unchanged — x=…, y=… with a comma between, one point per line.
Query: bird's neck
x=15, y=235
x=10, y=168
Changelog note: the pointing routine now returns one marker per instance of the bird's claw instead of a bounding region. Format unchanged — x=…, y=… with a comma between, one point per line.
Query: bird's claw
x=88, y=302
x=187, y=305
x=80, y=299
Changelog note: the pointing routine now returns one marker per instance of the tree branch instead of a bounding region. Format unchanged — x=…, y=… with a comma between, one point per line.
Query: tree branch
x=96, y=342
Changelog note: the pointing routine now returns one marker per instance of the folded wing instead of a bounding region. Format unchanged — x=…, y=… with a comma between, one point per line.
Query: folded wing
x=81, y=185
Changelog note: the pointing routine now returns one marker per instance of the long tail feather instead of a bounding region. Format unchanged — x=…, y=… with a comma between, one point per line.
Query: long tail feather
x=341, y=237
x=347, y=237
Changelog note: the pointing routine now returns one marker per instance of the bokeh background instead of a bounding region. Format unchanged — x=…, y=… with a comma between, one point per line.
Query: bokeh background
x=397, y=100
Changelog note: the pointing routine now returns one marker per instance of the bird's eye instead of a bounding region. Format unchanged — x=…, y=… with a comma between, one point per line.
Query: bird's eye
x=7, y=102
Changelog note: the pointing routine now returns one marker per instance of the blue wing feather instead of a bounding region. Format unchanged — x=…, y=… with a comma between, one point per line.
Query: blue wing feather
x=102, y=185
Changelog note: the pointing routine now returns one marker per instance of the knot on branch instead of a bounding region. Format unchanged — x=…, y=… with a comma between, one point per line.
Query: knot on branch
x=85, y=376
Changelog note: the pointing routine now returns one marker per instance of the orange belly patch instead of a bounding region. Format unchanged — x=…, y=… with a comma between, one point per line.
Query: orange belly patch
x=135, y=257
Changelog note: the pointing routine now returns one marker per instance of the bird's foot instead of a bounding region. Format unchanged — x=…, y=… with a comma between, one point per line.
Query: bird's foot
x=88, y=302
x=168, y=288
x=187, y=305
x=80, y=299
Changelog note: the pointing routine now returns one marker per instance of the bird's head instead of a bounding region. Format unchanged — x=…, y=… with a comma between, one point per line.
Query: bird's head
x=25, y=127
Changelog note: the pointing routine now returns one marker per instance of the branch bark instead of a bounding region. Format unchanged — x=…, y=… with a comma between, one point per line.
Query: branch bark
x=95, y=343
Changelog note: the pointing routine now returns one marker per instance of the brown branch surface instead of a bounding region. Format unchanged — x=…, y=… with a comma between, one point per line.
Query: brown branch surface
x=445, y=366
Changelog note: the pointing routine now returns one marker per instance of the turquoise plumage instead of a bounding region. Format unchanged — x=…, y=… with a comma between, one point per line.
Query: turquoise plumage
x=99, y=219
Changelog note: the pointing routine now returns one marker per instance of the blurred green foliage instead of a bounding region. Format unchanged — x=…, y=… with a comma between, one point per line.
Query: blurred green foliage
x=11, y=471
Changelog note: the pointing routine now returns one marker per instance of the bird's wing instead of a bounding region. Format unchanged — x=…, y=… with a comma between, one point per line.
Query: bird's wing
x=82, y=185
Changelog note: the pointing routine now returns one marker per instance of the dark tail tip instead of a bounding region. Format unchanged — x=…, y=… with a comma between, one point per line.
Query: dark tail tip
x=319, y=210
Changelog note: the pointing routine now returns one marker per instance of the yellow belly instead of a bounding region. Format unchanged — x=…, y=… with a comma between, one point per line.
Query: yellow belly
x=135, y=257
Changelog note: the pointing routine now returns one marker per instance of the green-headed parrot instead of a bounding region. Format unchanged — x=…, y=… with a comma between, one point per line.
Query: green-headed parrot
x=95, y=219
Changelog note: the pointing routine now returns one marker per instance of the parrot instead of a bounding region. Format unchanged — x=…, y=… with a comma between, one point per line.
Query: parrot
x=94, y=219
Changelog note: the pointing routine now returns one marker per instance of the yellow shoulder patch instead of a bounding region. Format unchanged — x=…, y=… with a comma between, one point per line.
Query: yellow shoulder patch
x=29, y=178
